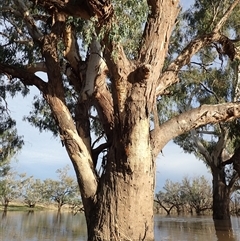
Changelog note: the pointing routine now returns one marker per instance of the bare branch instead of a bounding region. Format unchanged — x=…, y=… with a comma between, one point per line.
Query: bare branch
x=210, y=91
x=225, y=16
x=71, y=53
x=191, y=119
x=170, y=77
x=206, y=132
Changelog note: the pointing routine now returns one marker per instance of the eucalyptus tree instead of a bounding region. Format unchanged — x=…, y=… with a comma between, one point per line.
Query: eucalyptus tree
x=197, y=192
x=171, y=197
x=11, y=186
x=214, y=144
x=33, y=192
x=10, y=142
x=62, y=191
x=122, y=74
x=210, y=78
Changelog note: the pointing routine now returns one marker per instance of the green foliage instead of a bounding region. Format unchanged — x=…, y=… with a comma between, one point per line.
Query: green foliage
x=203, y=16
x=33, y=191
x=11, y=186
x=10, y=142
x=129, y=31
x=40, y=116
x=197, y=193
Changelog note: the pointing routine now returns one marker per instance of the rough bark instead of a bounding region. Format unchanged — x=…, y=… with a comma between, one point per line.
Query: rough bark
x=129, y=176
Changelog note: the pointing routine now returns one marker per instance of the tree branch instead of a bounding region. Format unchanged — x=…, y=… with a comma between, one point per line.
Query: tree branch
x=35, y=67
x=157, y=32
x=225, y=16
x=71, y=53
x=74, y=8
x=202, y=150
x=30, y=23
x=27, y=77
x=170, y=77
x=221, y=144
x=191, y=119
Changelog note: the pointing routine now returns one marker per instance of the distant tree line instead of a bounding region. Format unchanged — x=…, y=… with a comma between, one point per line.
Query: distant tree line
x=31, y=191
x=191, y=195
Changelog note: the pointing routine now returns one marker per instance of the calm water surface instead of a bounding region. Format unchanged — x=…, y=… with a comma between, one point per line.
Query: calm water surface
x=50, y=226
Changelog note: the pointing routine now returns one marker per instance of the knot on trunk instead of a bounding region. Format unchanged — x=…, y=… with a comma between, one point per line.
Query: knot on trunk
x=141, y=74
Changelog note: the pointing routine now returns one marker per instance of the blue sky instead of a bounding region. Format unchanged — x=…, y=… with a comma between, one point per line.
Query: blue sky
x=43, y=154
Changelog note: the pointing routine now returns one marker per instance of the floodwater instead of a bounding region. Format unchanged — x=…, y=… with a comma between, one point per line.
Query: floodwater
x=50, y=226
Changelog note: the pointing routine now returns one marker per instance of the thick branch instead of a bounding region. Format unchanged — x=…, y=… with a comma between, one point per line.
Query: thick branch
x=104, y=104
x=27, y=77
x=170, y=77
x=35, y=67
x=157, y=32
x=194, y=118
x=119, y=68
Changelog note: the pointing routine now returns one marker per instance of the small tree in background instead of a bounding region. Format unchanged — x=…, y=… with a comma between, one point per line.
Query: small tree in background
x=33, y=192
x=198, y=193
x=195, y=193
x=62, y=191
x=171, y=197
x=11, y=187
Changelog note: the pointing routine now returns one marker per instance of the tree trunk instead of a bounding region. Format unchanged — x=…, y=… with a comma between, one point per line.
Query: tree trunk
x=124, y=208
x=221, y=195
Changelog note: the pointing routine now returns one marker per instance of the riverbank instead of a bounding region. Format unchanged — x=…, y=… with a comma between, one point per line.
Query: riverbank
x=19, y=206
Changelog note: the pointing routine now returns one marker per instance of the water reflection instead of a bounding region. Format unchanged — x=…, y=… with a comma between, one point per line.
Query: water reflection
x=224, y=230
x=42, y=226
x=53, y=226
x=201, y=228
